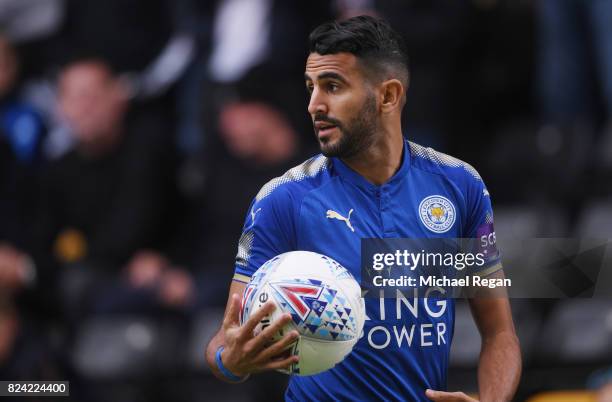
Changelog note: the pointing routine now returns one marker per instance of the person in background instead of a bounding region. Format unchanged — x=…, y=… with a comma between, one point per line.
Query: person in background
x=108, y=199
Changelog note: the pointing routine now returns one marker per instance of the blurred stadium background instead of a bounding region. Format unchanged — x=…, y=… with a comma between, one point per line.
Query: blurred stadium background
x=134, y=133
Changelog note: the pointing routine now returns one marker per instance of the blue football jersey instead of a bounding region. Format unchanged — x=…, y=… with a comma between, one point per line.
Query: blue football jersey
x=324, y=206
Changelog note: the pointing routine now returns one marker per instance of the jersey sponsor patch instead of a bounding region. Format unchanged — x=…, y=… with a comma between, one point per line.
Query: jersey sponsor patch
x=437, y=213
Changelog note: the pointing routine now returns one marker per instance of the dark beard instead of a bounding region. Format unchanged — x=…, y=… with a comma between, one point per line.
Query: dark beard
x=356, y=137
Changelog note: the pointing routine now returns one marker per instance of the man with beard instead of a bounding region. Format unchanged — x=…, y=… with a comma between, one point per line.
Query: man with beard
x=382, y=186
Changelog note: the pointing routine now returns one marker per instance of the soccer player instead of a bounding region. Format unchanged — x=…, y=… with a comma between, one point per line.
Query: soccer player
x=369, y=182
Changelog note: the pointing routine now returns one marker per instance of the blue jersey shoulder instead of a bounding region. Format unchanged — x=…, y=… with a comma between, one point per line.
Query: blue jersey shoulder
x=297, y=181
x=269, y=227
x=456, y=171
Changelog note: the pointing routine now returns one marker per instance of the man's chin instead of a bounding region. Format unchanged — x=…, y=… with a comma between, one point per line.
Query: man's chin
x=330, y=151
x=325, y=146
x=332, y=148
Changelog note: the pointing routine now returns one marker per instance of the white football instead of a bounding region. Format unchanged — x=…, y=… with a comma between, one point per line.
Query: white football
x=324, y=301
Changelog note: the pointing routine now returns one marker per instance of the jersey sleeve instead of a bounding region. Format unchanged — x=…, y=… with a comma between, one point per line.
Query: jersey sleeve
x=479, y=227
x=269, y=230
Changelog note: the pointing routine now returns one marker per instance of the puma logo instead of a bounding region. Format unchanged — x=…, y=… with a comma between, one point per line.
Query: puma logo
x=254, y=213
x=335, y=215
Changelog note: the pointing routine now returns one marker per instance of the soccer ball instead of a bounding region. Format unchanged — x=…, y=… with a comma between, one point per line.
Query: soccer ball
x=324, y=301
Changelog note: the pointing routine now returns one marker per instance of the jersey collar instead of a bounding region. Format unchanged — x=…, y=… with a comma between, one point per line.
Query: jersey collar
x=355, y=178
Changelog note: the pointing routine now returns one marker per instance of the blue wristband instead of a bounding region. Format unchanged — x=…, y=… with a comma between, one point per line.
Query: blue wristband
x=226, y=373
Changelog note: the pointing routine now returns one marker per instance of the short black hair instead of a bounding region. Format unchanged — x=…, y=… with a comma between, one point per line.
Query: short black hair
x=370, y=39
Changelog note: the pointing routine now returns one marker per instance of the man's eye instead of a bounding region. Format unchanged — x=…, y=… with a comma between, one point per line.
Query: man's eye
x=309, y=88
x=332, y=87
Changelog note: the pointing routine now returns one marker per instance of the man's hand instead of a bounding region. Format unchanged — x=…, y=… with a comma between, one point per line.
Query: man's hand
x=605, y=393
x=441, y=396
x=244, y=352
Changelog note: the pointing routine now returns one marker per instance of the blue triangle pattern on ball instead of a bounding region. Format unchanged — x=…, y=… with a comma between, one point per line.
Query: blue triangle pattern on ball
x=328, y=296
x=296, y=318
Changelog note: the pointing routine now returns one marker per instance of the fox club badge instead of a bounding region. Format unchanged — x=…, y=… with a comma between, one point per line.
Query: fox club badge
x=437, y=213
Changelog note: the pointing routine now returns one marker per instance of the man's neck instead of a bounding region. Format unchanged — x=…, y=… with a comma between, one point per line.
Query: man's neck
x=380, y=161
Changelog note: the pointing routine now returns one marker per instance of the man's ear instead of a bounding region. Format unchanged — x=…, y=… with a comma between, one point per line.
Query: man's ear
x=392, y=95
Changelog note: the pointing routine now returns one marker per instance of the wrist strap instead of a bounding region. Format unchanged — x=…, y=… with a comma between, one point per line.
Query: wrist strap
x=226, y=373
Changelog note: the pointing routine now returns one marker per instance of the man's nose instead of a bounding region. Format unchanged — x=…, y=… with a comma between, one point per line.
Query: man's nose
x=317, y=104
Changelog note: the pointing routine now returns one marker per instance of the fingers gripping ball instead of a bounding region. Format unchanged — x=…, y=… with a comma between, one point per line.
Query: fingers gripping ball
x=324, y=301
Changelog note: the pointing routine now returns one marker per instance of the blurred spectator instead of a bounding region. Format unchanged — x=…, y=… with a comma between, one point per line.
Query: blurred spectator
x=150, y=44
x=110, y=196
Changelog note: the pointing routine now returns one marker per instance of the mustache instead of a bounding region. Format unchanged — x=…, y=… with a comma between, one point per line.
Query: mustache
x=327, y=119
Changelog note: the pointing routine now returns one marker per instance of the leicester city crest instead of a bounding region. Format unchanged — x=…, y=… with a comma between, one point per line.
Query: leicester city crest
x=437, y=213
